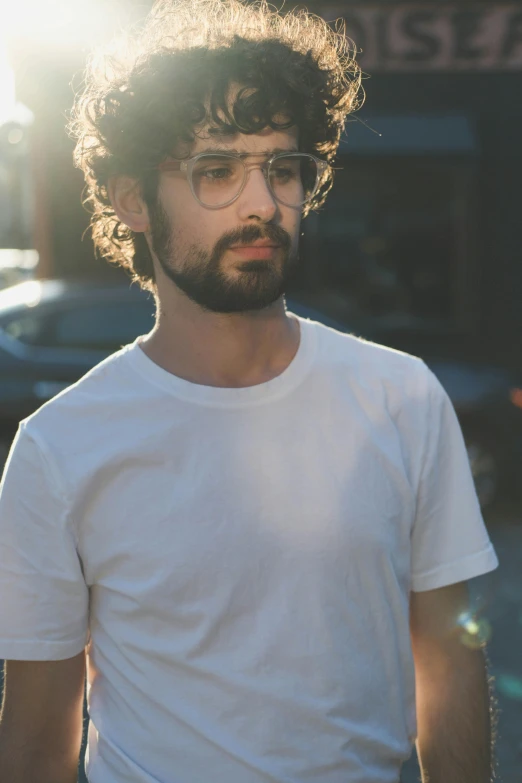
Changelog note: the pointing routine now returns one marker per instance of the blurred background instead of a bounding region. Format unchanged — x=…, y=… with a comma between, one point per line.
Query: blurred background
x=418, y=246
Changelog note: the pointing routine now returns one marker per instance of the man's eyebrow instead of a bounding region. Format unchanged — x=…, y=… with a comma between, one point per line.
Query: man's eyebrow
x=242, y=153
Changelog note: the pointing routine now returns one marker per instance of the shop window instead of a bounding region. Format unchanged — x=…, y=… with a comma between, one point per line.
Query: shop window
x=392, y=247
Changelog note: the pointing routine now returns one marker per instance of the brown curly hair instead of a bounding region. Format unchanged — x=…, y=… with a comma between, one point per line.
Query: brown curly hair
x=155, y=87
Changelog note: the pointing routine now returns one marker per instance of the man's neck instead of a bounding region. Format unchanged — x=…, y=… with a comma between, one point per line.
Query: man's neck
x=232, y=350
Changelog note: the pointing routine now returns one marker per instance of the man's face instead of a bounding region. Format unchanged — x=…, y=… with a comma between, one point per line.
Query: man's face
x=236, y=258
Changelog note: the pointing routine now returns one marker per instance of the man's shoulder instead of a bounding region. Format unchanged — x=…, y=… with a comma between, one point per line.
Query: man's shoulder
x=375, y=374
x=367, y=358
x=99, y=390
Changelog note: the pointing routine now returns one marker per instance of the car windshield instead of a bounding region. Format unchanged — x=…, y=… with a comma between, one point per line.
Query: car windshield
x=102, y=326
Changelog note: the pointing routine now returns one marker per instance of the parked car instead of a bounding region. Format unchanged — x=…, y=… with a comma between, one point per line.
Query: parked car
x=53, y=332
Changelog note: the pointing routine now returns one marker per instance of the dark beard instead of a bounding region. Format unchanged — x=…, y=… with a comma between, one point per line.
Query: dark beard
x=259, y=284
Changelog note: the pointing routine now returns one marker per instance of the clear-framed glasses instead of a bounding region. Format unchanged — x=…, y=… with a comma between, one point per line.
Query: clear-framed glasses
x=216, y=180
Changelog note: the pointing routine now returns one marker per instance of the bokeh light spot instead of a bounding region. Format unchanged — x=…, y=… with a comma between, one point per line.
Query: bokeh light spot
x=510, y=686
x=15, y=136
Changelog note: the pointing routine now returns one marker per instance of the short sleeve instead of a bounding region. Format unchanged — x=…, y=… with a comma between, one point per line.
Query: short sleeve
x=43, y=595
x=450, y=542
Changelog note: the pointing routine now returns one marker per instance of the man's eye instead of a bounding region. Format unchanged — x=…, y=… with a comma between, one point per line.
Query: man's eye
x=217, y=173
x=284, y=172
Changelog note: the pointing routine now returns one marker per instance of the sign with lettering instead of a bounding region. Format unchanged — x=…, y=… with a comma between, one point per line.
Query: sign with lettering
x=433, y=37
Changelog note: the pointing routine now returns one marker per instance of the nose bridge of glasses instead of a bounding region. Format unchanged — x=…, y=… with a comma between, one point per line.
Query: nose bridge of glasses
x=263, y=168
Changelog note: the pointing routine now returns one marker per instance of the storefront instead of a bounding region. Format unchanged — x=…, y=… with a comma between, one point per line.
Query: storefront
x=420, y=237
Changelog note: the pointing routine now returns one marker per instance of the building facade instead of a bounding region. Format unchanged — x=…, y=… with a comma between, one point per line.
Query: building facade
x=419, y=242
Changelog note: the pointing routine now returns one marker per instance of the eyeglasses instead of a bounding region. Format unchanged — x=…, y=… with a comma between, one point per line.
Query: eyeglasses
x=216, y=180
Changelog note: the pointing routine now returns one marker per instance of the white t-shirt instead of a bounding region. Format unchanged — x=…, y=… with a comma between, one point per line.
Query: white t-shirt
x=242, y=559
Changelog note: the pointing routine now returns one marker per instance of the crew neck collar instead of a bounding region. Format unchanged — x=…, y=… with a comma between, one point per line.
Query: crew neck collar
x=225, y=397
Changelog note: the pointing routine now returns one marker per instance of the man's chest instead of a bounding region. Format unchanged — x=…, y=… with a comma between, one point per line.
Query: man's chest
x=172, y=521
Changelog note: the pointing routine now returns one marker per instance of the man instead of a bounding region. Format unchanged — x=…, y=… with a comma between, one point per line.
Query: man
x=256, y=530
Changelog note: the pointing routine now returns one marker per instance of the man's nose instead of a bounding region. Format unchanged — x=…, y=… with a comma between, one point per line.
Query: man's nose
x=256, y=199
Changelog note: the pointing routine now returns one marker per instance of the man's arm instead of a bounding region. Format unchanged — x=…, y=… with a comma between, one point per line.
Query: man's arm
x=453, y=698
x=41, y=721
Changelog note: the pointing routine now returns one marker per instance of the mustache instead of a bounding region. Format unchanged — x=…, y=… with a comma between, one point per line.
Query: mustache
x=249, y=234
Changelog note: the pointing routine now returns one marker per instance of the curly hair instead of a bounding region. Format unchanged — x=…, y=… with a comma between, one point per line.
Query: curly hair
x=156, y=86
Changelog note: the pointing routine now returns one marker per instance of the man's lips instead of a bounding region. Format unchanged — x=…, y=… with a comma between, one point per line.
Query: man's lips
x=256, y=250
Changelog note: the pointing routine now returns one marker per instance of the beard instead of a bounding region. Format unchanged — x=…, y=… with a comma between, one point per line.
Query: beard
x=257, y=285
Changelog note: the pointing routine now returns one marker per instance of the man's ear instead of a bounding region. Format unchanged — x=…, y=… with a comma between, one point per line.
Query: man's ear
x=128, y=203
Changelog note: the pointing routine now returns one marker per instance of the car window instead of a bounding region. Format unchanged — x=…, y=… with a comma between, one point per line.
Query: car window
x=30, y=328
x=104, y=326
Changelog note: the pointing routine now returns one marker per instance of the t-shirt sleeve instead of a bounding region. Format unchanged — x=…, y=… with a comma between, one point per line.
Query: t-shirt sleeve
x=450, y=542
x=43, y=595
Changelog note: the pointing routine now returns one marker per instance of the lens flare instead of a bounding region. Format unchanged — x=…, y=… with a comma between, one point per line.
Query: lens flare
x=476, y=632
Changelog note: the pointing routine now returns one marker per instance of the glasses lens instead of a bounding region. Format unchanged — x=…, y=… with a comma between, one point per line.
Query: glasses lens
x=217, y=179
x=293, y=178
